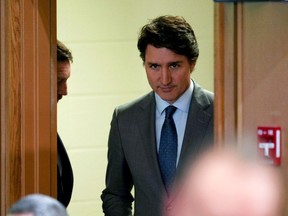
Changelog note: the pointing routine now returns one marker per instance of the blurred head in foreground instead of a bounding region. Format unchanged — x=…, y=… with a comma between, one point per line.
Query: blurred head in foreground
x=221, y=183
x=37, y=205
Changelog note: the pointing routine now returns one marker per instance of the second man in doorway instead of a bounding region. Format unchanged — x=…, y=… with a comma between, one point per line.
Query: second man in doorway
x=65, y=178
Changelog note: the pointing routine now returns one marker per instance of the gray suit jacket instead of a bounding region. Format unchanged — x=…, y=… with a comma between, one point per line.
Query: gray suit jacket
x=132, y=153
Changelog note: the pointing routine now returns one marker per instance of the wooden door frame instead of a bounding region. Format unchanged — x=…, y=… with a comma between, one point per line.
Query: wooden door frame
x=28, y=99
x=227, y=72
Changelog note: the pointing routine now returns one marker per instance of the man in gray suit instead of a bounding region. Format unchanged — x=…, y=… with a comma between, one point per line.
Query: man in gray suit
x=137, y=154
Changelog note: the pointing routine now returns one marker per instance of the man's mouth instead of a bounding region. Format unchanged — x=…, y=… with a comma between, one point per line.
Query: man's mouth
x=166, y=88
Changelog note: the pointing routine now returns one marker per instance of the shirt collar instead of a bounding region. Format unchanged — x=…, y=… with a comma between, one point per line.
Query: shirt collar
x=182, y=103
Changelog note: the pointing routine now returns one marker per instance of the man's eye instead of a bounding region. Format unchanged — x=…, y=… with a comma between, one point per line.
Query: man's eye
x=173, y=66
x=154, y=66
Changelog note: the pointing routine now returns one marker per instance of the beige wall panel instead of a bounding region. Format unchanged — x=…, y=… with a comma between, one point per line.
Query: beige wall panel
x=85, y=122
x=101, y=68
x=88, y=185
x=102, y=20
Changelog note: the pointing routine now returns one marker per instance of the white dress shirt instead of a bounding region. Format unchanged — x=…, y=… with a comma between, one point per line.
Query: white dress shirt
x=180, y=116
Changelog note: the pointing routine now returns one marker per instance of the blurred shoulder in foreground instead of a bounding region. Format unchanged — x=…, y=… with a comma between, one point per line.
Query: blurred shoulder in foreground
x=222, y=183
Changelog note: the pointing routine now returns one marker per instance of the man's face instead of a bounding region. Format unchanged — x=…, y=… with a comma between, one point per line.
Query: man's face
x=168, y=73
x=63, y=73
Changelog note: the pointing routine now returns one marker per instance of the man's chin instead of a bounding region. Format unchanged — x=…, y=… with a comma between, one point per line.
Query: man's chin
x=167, y=97
x=169, y=100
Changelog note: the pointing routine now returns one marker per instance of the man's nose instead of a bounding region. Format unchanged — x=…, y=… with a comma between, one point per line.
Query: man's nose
x=62, y=88
x=165, y=76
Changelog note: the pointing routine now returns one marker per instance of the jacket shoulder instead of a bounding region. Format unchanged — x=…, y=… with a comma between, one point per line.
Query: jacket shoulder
x=203, y=96
x=139, y=103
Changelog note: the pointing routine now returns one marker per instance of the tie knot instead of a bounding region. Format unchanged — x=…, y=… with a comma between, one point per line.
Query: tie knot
x=170, y=111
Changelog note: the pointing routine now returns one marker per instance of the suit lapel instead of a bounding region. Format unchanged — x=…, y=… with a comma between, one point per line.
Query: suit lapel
x=196, y=126
x=146, y=125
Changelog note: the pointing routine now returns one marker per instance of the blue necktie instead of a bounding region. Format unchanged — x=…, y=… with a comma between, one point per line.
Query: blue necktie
x=168, y=147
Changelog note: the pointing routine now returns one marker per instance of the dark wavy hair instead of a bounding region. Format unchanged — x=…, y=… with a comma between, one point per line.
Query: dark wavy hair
x=63, y=53
x=171, y=32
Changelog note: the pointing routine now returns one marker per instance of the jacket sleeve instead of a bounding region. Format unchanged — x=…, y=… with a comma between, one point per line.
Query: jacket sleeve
x=116, y=197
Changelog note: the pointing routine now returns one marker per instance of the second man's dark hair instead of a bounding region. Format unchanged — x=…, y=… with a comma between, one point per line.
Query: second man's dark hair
x=63, y=53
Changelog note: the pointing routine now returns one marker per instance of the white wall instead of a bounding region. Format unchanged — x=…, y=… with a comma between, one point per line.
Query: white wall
x=107, y=71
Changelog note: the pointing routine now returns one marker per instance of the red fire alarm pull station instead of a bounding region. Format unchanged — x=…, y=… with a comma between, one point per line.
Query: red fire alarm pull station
x=269, y=144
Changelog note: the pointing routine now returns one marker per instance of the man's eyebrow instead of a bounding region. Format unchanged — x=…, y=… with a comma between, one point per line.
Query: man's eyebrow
x=175, y=62
x=152, y=63
x=171, y=62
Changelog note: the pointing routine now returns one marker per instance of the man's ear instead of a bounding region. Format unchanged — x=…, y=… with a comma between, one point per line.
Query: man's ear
x=192, y=66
